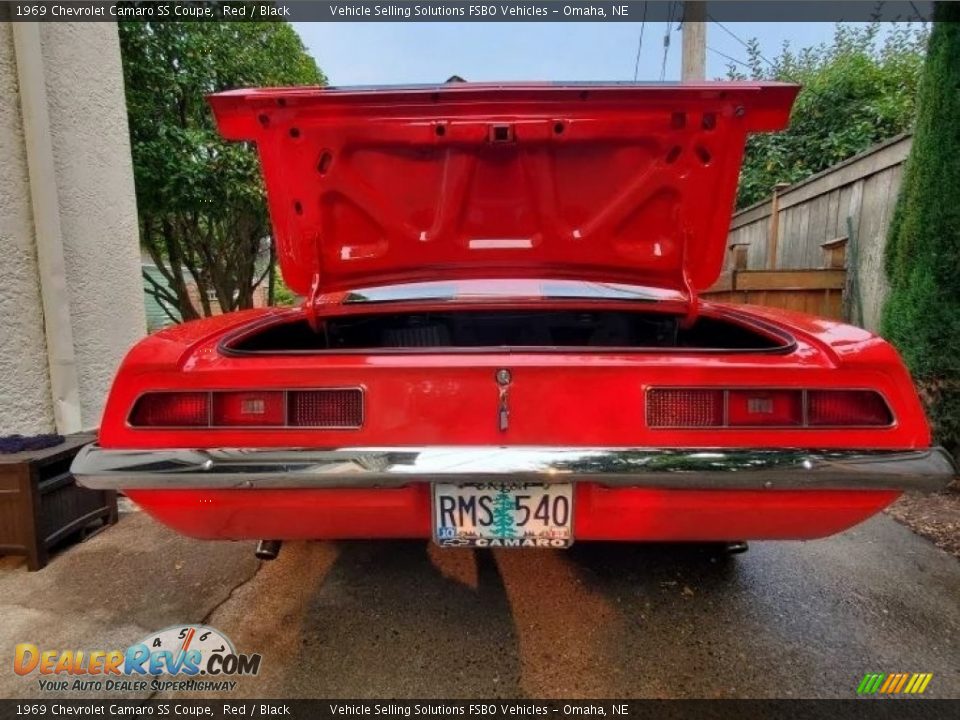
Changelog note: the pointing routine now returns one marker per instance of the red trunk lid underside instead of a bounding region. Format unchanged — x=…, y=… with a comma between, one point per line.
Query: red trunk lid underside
x=613, y=183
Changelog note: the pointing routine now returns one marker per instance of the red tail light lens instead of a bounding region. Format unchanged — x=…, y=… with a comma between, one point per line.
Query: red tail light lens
x=777, y=408
x=847, y=408
x=765, y=407
x=684, y=408
x=328, y=408
x=172, y=409
x=325, y=408
x=257, y=409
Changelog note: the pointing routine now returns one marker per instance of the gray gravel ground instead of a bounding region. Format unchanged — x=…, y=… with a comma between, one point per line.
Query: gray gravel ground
x=406, y=619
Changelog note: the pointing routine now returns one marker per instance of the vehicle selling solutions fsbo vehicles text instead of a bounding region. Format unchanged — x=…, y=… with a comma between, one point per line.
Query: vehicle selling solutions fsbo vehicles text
x=357, y=10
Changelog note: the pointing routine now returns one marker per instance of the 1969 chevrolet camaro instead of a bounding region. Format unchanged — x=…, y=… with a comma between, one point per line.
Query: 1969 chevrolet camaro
x=502, y=341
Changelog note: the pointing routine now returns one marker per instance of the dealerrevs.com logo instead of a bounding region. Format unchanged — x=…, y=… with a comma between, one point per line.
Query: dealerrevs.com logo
x=178, y=658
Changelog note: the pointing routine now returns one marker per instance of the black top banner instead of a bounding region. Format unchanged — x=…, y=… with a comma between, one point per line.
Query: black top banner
x=458, y=11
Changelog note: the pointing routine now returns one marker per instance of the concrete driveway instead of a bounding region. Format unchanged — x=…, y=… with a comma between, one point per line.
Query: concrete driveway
x=406, y=619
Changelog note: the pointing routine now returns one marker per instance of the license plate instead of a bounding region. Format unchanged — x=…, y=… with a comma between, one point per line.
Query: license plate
x=503, y=515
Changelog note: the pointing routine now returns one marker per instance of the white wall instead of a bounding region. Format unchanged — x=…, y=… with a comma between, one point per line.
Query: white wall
x=100, y=310
x=25, y=404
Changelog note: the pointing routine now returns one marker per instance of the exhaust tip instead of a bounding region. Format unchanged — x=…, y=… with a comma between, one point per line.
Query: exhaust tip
x=268, y=549
x=737, y=547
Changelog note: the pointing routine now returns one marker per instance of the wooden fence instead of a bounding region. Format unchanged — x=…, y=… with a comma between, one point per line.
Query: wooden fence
x=837, y=221
x=818, y=292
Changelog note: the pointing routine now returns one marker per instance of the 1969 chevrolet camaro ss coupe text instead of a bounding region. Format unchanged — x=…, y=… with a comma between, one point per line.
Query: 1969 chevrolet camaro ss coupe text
x=502, y=341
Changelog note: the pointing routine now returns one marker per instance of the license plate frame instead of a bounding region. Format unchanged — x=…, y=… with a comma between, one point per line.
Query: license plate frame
x=539, y=505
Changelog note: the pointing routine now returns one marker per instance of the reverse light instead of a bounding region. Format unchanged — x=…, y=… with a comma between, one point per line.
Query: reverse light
x=325, y=408
x=749, y=408
x=765, y=407
x=263, y=408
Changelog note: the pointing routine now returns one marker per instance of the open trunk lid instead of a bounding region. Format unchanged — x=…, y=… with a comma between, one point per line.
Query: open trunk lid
x=626, y=183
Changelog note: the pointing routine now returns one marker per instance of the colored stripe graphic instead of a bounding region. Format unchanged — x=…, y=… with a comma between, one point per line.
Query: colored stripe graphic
x=866, y=685
x=894, y=683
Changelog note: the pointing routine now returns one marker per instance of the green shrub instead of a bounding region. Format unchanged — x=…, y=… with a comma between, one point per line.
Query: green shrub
x=858, y=90
x=922, y=312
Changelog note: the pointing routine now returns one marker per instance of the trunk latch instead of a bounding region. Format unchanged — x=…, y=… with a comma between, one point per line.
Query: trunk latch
x=502, y=133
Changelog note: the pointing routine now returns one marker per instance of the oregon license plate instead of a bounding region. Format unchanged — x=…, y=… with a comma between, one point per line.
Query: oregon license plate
x=503, y=515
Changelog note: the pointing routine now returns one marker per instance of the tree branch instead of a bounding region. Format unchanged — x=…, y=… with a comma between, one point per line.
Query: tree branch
x=163, y=305
x=159, y=291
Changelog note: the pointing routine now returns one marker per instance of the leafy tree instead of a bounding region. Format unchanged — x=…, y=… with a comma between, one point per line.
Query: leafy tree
x=201, y=199
x=922, y=313
x=858, y=90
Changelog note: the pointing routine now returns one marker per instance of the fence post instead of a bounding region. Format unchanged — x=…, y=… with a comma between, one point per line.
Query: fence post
x=774, y=237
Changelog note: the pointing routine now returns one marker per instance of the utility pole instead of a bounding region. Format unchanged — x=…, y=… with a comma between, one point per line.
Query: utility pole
x=694, y=41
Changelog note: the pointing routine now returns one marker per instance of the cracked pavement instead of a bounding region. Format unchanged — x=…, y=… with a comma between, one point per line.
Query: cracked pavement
x=407, y=619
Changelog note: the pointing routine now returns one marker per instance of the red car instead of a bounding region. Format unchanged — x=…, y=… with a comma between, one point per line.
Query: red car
x=502, y=342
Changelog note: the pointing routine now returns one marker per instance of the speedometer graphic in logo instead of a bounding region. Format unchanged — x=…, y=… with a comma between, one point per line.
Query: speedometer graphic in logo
x=183, y=638
x=187, y=649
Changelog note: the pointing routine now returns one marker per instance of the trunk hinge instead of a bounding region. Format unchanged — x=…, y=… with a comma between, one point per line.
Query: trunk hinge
x=693, y=299
x=312, y=300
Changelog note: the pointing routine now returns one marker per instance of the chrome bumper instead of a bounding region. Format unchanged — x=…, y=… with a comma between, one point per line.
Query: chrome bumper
x=701, y=469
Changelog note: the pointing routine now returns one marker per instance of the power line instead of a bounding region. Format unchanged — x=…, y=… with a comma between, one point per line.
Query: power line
x=666, y=43
x=728, y=57
x=736, y=37
x=643, y=22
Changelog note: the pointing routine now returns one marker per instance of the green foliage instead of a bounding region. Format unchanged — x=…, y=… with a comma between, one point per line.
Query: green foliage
x=282, y=295
x=201, y=199
x=857, y=90
x=922, y=313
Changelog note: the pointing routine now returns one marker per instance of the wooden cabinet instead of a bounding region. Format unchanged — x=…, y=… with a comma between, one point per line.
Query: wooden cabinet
x=41, y=504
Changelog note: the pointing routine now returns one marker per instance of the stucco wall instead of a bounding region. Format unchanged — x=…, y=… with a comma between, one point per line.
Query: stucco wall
x=91, y=146
x=25, y=404
x=98, y=225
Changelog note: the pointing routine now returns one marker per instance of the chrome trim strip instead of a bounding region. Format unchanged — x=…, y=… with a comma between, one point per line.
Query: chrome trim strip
x=929, y=469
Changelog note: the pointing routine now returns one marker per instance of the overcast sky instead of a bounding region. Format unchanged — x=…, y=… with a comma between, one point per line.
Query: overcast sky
x=386, y=53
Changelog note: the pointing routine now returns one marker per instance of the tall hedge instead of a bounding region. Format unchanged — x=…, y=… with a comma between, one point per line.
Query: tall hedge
x=922, y=313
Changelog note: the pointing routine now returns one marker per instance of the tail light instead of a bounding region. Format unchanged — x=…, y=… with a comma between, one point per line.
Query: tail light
x=685, y=408
x=846, y=408
x=172, y=409
x=765, y=407
x=326, y=408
